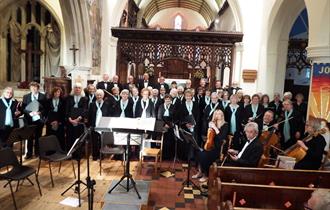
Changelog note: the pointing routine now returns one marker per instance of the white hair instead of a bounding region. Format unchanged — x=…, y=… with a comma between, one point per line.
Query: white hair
x=323, y=196
x=78, y=84
x=252, y=125
x=99, y=91
x=8, y=88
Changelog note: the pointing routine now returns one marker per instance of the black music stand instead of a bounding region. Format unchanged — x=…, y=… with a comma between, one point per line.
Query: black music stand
x=127, y=125
x=76, y=147
x=19, y=135
x=189, y=138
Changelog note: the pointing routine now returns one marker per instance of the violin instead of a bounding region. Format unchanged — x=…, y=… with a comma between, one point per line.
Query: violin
x=209, y=145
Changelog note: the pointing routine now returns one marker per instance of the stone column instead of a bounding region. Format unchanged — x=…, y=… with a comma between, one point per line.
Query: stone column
x=43, y=34
x=318, y=51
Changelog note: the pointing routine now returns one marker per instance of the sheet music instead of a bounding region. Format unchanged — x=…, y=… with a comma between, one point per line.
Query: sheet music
x=147, y=124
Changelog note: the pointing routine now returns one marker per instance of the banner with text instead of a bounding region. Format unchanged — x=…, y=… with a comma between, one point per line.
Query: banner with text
x=319, y=95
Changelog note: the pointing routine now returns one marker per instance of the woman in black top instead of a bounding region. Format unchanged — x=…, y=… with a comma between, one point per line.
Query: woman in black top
x=55, y=113
x=314, y=147
x=166, y=114
x=207, y=157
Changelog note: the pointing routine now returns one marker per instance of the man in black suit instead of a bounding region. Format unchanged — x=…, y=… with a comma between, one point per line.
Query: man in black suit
x=130, y=83
x=145, y=82
x=34, y=117
x=234, y=88
x=115, y=83
x=8, y=112
x=105, y=84
x=276, y=105
x=252, y=150
x=161, y=83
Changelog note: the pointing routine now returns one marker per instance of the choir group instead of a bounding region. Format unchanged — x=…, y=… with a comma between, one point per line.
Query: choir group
x=208, y=113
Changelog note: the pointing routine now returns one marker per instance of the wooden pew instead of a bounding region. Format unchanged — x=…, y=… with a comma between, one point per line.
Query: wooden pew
x=271, y=176
x=253, y=196
x=263, y=176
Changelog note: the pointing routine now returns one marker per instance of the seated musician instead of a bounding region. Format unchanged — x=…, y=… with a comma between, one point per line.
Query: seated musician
x=217, y=132
x=250, y=154
x=268, y=122
x=313, y=145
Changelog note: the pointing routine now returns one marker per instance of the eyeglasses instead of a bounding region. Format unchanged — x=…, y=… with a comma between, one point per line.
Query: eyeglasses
x=306, y=207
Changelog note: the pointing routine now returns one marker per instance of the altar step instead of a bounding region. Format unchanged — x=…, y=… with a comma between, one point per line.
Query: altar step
x=120, y=199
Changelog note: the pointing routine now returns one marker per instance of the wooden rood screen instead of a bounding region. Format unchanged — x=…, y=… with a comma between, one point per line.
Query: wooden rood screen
x=175, y=54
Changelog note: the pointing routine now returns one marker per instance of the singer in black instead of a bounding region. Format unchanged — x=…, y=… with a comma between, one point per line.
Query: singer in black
x=189, y=116
x=76, y=111
x=34, y=117
x=145, y=107
x=8, y=112
x=97, y=109
x=313, y=145
x=55, y=113
x=217, y=133
x=209, y=110
x=166, y=114
x=253, y=112
x=124, y=107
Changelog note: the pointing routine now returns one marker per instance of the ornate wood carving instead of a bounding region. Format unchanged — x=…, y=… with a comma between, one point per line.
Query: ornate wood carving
x=200, y=50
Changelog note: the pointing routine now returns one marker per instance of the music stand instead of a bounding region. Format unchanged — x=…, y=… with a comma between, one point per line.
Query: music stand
x=127, y=125
x=20, y=135
x=189, y=138
x=75, y=148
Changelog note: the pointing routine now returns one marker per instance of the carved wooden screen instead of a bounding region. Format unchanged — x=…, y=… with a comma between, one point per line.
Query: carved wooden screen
x=200, y=55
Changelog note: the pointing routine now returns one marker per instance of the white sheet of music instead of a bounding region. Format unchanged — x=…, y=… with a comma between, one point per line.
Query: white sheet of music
x=147, y=124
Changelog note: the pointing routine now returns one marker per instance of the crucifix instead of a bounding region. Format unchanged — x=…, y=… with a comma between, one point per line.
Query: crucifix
x=74, y=49
x=31, y=65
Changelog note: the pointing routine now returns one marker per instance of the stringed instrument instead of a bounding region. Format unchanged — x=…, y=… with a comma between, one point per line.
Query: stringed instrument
x=209, y=145
x=296, y=151
x=267, y=139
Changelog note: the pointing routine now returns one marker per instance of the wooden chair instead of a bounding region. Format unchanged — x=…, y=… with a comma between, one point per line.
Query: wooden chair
x=151, y=151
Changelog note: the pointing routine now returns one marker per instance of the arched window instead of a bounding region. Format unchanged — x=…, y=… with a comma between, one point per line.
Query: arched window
x=178, y=22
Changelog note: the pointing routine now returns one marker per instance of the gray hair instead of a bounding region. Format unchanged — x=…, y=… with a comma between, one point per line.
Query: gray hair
x=125, y=91
x=82, y=93
x=99, y=91
x=7, y=88
x=323, y=196
x=252, y=125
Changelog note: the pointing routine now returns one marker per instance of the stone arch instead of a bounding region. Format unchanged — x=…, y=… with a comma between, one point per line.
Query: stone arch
x=234, y=6
x=281, y=20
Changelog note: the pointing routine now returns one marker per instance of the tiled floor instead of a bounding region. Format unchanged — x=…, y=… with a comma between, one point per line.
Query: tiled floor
x=164, y=191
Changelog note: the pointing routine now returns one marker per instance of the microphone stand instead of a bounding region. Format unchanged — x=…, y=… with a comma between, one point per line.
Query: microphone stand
x=90, y=182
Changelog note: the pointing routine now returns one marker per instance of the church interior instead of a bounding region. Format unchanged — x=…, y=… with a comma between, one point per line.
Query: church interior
x=165, y=104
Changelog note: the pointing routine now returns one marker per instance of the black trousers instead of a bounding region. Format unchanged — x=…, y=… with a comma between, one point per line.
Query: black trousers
x=206, y=158
x=37, y=135
x=96, y=144
x=72, y=133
